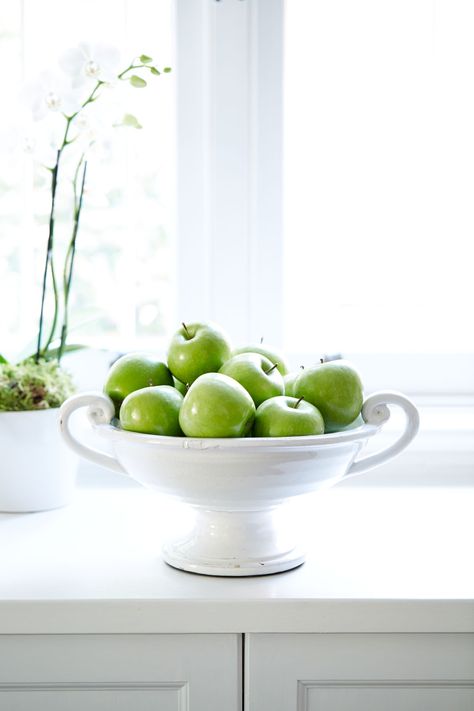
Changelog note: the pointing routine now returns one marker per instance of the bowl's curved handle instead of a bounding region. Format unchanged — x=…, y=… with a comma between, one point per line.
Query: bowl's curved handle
x=376, y=412
x=101, y=410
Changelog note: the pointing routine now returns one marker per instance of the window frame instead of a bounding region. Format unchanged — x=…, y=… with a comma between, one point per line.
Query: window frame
x=229, y=163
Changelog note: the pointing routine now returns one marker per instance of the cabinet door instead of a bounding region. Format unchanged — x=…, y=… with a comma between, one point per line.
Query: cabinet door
x=354, y=672
x=187, y=672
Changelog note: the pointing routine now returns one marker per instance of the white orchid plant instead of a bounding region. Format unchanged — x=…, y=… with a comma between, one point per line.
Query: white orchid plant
x=64, y=103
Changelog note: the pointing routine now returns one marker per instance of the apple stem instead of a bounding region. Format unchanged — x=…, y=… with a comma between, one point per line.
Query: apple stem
x=186, y=329
x=270, y=370
x=261, y=340
x=321, y=360
x=301, y=398
x=302, y=367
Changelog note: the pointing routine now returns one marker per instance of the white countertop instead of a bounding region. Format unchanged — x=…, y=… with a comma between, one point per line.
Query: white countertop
x=379, y=560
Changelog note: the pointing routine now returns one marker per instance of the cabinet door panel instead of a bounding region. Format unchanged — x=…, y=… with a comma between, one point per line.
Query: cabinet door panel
x=356, y=672
x=115, y=699
x=370, y=697
x=195, y=672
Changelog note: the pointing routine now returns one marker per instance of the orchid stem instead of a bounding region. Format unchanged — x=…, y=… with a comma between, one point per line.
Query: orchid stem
x=42, y=350
x=48, y=264
x=71, y=253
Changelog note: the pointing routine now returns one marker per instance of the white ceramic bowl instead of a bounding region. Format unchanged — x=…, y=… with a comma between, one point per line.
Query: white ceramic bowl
x=236, y=486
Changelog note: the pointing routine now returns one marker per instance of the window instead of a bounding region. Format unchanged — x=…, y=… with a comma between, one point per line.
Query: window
x=124, y=283
x=323, y=179
x=379, y=182
x=331, y=178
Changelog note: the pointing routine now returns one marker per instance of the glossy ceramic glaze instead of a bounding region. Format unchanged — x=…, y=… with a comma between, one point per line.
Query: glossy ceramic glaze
x=235, y=487
x=37, y=470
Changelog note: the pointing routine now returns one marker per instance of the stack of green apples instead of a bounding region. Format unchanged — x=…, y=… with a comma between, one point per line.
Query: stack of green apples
x=206, y=389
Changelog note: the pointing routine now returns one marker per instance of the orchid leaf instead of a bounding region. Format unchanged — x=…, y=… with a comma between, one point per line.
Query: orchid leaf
x=52, y=353
x=131, y=121
x=137, y=82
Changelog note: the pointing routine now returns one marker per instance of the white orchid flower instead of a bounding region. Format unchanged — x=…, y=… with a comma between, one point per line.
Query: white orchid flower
x=41, y=140
x=24, y=136
x=91, y=62
x=88, y=129
x=93, y=124
x=50, y=93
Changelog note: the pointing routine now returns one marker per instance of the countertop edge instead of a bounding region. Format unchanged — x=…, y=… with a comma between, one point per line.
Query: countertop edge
x=114, y=616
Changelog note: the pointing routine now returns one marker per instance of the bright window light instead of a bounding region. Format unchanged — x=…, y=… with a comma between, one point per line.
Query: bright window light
x=379, y=176
x=123, y=293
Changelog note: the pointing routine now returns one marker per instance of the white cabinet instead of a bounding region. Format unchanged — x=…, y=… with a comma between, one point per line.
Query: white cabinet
x=130, y=672
x=203, y=672
x=359, y=672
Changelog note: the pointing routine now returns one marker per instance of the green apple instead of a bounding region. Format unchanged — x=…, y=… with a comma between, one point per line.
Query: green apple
x=290, y=379
x=132, y=372
x=358, y=422
x=285, y=416
x=272, y=355
x=180, y=387
x=152, y=411
x=335, y=389
x=195, y=349
x=216, y=406
x=257, y=374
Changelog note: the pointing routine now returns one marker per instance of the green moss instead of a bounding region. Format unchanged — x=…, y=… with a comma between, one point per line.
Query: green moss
x=33, y=386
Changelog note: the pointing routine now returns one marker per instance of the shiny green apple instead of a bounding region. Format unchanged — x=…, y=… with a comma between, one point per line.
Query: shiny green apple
x=335, y=388
x=195, y=349
x=216, y=406
x=285, y=416
x=273, y=355
x=153, y=410
x=180, y=387
x=358, y=422
x=134, y=371
x=289, y=381
x=257, y=374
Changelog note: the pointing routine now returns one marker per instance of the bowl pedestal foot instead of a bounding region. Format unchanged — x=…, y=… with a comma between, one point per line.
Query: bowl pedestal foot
x=234, y=543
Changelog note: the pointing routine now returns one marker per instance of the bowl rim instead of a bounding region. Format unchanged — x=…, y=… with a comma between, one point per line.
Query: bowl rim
x=114, y=433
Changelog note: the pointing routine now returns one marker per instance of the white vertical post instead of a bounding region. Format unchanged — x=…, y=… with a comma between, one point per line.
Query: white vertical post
x=193, y=156
x=229, y=164
x=266, y=194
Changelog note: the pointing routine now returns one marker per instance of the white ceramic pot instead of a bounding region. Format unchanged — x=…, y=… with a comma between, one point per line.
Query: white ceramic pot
x=236, y=487
x=37, y=470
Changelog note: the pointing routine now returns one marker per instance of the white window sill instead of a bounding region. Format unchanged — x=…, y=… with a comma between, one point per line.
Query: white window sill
x=442, y=453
